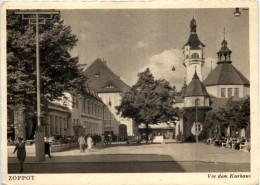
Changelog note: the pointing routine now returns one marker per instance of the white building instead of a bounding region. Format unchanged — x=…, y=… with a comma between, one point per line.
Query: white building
x=222, y=87
x=76, y=114
x=109, y=87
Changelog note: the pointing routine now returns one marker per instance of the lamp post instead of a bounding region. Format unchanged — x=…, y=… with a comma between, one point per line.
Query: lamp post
x=196, y=119
x=36, y=18
x=110, y=104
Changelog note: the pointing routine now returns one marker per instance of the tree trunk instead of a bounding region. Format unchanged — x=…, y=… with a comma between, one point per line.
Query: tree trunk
x=146, y=133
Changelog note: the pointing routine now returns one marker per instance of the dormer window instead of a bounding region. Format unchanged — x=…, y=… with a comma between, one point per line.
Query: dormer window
x=109, y=86
x=97, y=74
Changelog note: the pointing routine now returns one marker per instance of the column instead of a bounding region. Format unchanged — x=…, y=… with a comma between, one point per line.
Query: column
x=49, y=126
x=19, y=122
x=228, y=131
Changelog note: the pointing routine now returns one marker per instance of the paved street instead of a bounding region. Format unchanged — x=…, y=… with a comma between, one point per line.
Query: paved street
x=130, y=167
x=175, y=157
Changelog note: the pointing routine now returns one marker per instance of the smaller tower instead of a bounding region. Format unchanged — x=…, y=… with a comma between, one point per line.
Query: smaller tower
x=225, y=80
x=196, y=104
x=196, y=91
x=224, y=54
x=193, y=52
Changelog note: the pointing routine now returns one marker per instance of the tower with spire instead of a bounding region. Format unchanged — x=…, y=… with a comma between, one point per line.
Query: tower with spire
x=225, y=80
x=193, y=52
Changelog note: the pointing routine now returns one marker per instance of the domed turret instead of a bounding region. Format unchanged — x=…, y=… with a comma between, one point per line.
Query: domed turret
x=224, y=54
x=225, y=80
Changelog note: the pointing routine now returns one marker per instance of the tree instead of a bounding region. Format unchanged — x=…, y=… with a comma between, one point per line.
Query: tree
x=60, y=72
x=238, y=113
x=149, y=101
x=235, y=114
x=216, y=120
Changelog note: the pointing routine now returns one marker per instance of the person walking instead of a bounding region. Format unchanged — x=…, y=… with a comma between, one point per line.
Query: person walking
x=47, y=148
x=82, y=142
x=89, y=142
x=21, y=152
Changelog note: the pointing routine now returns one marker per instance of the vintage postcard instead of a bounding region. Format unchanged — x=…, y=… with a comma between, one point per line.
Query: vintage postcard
x=129, y=93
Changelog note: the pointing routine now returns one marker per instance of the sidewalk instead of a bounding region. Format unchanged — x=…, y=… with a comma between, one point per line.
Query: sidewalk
x=179, y=152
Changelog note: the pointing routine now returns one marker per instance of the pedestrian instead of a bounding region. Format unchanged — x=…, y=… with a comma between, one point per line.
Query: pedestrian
x=47, y=148
x=21, y=153
x=89, y=142
x=82, y=142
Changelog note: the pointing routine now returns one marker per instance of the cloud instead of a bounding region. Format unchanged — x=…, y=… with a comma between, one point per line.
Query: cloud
x=141, y=44
x=161, y=66
x=112, y=47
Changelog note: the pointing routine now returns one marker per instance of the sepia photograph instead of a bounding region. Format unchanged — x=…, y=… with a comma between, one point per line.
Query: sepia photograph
x=129, y=90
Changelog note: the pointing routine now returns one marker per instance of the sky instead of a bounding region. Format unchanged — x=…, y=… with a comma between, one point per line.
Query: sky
x=131, y=40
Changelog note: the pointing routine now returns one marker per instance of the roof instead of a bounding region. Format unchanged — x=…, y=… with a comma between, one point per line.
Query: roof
x=225, y=74
x=217, y=103
x=158, y=126
x=179, y=99
x=224, y=48
x=103, y=79
x=195, y=88
x=194, y=42
x=193, y=25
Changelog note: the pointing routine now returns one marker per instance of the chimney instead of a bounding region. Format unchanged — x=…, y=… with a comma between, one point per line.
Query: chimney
x=104, y=62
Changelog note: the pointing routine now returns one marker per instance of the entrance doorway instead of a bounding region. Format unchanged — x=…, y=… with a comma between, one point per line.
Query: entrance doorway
x=122, y=132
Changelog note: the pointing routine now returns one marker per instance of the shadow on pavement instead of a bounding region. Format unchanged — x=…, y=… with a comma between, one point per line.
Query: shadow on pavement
x=104, y=163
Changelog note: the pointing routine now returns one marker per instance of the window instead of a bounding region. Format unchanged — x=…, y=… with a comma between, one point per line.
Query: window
x=198, y=127
x=84, y=105
x=73, y=101
x=236, y=93
x=223, y=92
x=52, y=125
x=56, y=124
x=88, y=107
x=77, y=103
x=74, y=121
x=109, y=86
x=65, y=123
x=60, y=125
x=92, y=108
x=187, y=56
x=229, y=92
x=77, y=121
x=97, y=74
x=195, y=55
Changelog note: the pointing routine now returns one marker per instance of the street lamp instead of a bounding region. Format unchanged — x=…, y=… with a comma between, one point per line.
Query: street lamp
x=237, y=13
x=36, y=18
x=196, y=119
x=110, y=104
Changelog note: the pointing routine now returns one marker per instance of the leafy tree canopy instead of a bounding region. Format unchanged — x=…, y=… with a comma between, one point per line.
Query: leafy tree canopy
x=60, y=72
x=236, y=114
x=149, y=101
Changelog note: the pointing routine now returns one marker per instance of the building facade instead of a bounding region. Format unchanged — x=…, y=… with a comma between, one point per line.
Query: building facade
x=75, y=115
x=109, y=87
x=224, y=86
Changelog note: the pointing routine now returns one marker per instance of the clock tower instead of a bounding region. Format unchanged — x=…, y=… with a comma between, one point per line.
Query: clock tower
x=193, y=52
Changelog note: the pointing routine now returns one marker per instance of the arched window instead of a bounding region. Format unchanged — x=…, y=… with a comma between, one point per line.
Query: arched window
x=187, y=56
x=195, y=55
